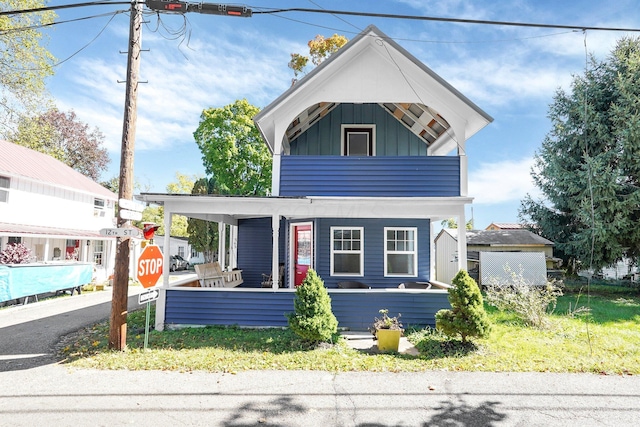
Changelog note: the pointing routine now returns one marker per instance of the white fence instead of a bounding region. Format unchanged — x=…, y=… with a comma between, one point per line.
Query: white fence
x=500, y=265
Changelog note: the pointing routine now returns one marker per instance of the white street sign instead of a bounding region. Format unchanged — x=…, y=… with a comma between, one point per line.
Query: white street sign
x=131, y=205
x=148, y=296
x=120, y=232
x=132, y=215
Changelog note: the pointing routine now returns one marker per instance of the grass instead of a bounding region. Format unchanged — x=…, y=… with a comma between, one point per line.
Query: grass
x=604, y=340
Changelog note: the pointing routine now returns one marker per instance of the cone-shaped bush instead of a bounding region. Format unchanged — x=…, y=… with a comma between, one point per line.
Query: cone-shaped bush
x=312, y=319
x=467, y=317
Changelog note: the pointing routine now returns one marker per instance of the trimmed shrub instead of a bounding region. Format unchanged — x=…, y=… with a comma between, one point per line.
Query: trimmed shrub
x=313, y=319
x=15, y=253
x=467, y=316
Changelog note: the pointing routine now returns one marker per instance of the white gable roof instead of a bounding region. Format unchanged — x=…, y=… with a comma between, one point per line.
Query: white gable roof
x=372, y=68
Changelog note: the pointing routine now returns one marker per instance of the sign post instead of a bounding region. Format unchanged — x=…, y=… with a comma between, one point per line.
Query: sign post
x=149, y=272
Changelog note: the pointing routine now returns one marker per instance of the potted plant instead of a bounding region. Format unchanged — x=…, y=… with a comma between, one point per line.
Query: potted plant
x=387, y=330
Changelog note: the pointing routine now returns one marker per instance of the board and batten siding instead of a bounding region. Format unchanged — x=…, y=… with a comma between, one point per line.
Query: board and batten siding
x=354, y=309
x=373, y=250
x=392, y=138
x=407, y=176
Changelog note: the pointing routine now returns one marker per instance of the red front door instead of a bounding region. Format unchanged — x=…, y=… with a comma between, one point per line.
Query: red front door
x=301, y=252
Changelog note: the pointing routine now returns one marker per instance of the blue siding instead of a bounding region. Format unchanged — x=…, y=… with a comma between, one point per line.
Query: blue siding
x=392, y=138
x=406, y=176
x=373, y=251
x=255, y=247
x=354, y=310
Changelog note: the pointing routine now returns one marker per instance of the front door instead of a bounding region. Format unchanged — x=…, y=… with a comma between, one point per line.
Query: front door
x=302, y=253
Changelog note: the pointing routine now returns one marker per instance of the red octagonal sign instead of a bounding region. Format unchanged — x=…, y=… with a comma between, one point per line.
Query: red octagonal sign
x=150, y=266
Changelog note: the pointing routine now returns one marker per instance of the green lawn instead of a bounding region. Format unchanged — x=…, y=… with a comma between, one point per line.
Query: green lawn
x=605, y=340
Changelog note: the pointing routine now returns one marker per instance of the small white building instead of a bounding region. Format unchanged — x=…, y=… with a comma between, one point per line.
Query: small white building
x=54, y=210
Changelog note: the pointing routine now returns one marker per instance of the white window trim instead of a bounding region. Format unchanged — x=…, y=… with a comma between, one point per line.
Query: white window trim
x=361, y=251
x=360, y=126
x=5, y=190
x=414, y=252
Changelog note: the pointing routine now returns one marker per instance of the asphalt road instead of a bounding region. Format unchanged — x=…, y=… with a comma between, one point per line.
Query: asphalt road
x=36, y=391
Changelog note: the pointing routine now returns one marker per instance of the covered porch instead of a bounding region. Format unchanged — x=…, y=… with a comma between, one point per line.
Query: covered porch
x=251, y=305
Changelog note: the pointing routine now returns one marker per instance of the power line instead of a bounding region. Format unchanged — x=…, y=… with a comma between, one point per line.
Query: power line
x=63, y=6
x=452, y=20
x=351, y=13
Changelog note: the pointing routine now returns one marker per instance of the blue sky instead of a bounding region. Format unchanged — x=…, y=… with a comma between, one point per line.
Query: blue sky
x=201, y=61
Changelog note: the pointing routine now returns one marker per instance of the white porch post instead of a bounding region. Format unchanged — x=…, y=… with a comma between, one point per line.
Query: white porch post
x=462, y=240
x=275, y=264
x=464, y=176
x=45, y=257
x=432, y=252
x=222, y=247
x=166, y=244
x=233, y=246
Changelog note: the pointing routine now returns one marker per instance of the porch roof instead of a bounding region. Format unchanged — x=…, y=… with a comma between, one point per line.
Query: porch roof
x=229, y=209
x=25, y=230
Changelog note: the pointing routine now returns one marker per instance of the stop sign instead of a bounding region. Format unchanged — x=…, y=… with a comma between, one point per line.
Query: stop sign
x=150, y=266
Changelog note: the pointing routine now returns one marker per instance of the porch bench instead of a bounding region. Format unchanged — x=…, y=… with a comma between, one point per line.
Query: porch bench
x=211, y=275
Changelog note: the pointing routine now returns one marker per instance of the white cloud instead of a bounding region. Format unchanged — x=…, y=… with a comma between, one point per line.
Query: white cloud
x=211, y=72
x=500, y=182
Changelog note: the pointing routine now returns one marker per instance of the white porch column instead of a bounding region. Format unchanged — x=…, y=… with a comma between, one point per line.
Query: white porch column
x=464, y=176
x=222, y=247
x=166, y=245
x=462, y=240
x=46, y=257
x=233, y=246
x=275, y=264
x=275, y=175
x=432, y=251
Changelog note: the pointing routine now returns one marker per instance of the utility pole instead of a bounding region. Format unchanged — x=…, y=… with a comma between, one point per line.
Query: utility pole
x=118, y=319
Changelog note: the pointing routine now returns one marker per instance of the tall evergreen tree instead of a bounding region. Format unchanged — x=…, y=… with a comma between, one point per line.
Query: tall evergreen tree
x=588, y=168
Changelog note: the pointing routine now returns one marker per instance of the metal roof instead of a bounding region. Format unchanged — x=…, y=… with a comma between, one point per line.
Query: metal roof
x=19, y=161
x=8, y=229
x=501, y=238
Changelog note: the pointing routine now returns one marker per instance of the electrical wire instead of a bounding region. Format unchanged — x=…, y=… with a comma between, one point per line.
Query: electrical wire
x=450, y=20
x=49, y=24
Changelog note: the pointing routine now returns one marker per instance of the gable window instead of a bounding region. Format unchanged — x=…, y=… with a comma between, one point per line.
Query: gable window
x=400, y=252
x=4, y=189
x=358, y=140
x=347, y=254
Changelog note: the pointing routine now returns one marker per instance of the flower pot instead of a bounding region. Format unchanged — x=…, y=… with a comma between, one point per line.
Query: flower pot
x=388, y=339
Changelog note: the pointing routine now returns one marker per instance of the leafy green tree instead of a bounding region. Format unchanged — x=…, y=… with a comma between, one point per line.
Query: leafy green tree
x=588, y=168
x=24, y=61
x=233, y=150
x=64, y=137
x=320, y=48
x=312, y=319
x=203, y=235
x=183, y=185
x=452, y=224
x=467, y=316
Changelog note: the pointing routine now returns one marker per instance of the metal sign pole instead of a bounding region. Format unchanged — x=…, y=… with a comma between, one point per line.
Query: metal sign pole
x=146, y=327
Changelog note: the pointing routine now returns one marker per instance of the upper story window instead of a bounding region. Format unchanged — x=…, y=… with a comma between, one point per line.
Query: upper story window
x=347, y=251
x=400, y=251
x=4, y=189
x=358, y=140
x=98, y=207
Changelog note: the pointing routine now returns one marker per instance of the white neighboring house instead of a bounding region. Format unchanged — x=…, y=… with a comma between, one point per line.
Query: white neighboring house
x=54, y=210
x=179, y=246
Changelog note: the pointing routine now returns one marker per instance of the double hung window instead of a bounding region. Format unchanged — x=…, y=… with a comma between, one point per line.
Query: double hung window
x=347, y=253
x=400, y=251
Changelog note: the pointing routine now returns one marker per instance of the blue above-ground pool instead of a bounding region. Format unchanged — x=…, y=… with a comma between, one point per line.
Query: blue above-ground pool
x=23, y=280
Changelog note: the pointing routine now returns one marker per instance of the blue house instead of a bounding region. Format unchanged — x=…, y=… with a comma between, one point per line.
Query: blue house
x=368, y=154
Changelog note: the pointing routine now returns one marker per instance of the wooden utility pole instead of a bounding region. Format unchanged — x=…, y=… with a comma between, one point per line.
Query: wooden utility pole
x=118, y=320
